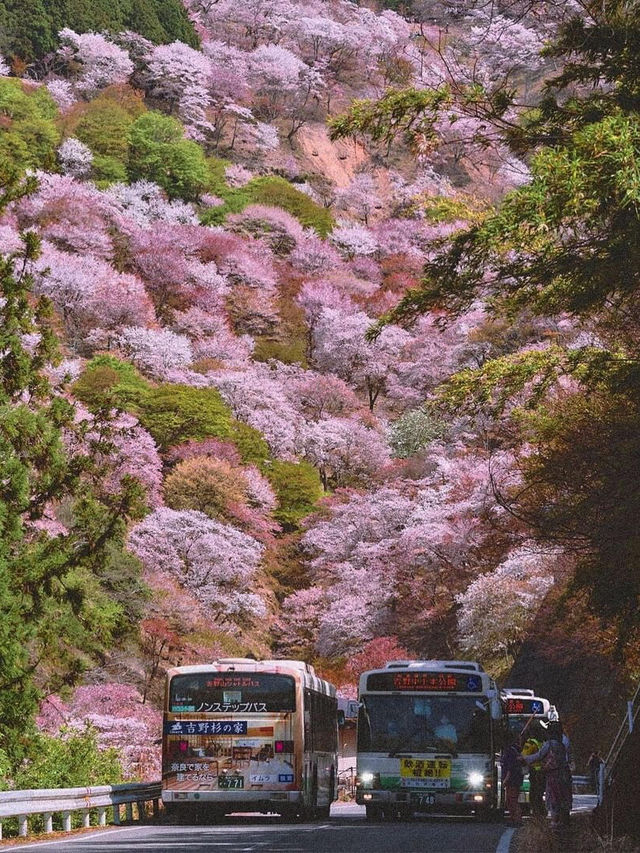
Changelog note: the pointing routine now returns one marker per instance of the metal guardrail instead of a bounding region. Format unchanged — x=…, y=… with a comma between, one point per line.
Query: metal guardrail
x=22, y=804
x=631, y=719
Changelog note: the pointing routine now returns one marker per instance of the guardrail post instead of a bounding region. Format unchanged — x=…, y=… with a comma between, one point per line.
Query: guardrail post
x=86, y=818
x=129, y=811
x=0, y=830
x=156, y=808
x=66, y=821
x=102, y=816
x=48, y=821
x=116, y=814
x=23, y=826
x=141, y=810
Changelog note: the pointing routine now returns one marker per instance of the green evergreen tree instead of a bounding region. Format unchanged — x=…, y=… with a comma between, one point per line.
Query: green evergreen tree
x=56, y=610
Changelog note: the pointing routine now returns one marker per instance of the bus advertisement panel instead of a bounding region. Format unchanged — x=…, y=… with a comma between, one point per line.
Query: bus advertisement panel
x=427, y=737
x=244, y=735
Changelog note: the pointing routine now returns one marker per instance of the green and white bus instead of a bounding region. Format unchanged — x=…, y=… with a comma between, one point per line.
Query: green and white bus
x=428, y=733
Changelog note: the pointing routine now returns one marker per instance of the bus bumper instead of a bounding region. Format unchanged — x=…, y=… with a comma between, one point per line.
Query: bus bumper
x=234, y=801
x=434, y=801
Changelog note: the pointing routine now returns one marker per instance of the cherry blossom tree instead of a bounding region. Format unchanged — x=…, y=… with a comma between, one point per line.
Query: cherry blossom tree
x=180, y=77
x=120, y=718
x=360, y=197
x=213, y=560
x=279, y=229
x=168, y=257
x=299, y=622
x=154, y=351
x=499, y=606
x=256, y=396
x=313, y=255
x=75, y=158
x=144, y=203
x=101, y=63
x=340, y=347
x=352, y=240
x=376, y=654
x=319, y=395
x=88, y=293
x=73, y=215
x=132, y=452
x=284, y=86
x=344, y=451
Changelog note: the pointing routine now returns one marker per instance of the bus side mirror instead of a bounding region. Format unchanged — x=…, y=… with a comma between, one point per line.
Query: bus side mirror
x=340, y=719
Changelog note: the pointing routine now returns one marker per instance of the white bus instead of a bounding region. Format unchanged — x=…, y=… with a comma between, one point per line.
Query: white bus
x=428, y=732
x=247, y=735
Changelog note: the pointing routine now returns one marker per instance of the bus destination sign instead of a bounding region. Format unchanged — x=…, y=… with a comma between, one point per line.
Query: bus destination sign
x=515, y=705
x=425, y=682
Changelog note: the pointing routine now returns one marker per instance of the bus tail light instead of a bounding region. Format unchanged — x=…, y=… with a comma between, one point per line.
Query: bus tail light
x=281, y=746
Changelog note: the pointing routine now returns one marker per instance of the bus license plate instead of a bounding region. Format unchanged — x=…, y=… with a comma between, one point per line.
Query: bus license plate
x=423, y=799
x=229, y=782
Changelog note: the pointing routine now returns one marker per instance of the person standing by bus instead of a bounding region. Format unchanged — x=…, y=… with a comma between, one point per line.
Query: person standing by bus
x=533, y=744
x=512, y=775
x=553, y=757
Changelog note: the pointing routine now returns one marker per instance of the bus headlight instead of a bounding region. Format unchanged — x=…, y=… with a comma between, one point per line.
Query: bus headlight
x=475, y=780
x=367, y=778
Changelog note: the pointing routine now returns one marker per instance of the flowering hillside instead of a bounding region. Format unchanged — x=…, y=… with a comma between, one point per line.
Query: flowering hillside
x=215, y=226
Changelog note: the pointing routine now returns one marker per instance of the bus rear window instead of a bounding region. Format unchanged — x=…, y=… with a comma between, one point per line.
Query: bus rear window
x=231, y=692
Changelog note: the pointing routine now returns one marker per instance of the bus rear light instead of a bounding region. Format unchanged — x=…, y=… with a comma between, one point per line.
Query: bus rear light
x=281, y=746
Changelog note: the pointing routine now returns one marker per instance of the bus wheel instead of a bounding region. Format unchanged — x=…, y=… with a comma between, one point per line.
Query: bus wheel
x=373, y=812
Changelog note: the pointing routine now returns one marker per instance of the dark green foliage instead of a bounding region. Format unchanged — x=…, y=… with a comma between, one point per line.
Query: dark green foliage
x=61, y=597
x=159, y=152
x=174, y=414
x=28, y=134
x=582, y=488
x=269, y=190
x=74, y=761
x=298, y=487
x=30, y=27
x=250, y=442
x=104, y=123
x=109, y=381
x=277, y=192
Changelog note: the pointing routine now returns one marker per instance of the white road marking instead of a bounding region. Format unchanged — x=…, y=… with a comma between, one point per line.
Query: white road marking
x=76, y=838
x=505, y=841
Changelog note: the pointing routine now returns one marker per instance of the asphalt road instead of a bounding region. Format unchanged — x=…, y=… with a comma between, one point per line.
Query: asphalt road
x=347, y=830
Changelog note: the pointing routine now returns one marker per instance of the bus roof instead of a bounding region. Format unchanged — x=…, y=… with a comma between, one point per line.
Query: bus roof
x=435, y=665
x=517, y=691
x=459, y=668
x=298, y=668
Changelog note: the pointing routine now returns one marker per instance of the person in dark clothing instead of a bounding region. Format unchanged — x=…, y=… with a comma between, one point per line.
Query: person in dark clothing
x=593, y=765
x=512, y=775
x=533, y=743
x=553, y=757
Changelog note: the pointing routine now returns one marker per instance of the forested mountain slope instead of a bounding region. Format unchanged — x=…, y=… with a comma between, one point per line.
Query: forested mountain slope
x=209, y=209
